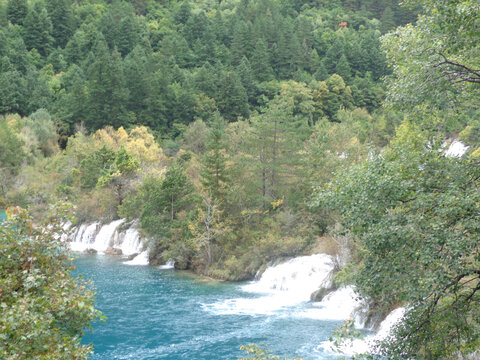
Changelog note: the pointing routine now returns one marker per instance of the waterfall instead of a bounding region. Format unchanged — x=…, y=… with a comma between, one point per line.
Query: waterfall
x=101, y=237
x=340, y=304
x=456, y=149
x=281, y=287
x=295, y=279
x=367, y=345
x=104, y=238
x=169, y=265
x=140, y=259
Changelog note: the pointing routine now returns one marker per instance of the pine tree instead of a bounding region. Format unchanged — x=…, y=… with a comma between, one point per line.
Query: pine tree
x=71, y=106
x=315, y=61
x=242, y=42
x=231, y=97
x=61, y=15
x=261, y=62
x=387, y=20
x=214, y=169
x=138, y=82
x=333, y=55
x=128, y=35
x=108, y=93
x=37, y=29
x=17, y=11
x=343, y=68
x=321, y=74
x=248, y=80
x=11, y=89
x=278, y=135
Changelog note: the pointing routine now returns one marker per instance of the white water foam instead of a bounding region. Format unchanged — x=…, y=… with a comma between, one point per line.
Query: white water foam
x=85, y=237
x=169, y=265
x=140, y=259
x=367, y=345
x=283, y=286
x=104, y=238
x=100, y=238
x=129, y=241
x=456, y=149
x=338, y=305
x=295, y=279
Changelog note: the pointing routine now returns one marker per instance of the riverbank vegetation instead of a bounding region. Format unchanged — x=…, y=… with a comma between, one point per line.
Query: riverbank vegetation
x=210, y=122
x=243, y=131
x=45, y=311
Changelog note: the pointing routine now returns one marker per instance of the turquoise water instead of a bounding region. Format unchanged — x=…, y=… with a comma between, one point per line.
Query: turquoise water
x=166, y=314
x=2, y=215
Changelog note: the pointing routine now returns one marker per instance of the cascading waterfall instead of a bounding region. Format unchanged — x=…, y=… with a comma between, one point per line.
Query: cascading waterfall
x=340, y=304
x=101, y=237
x=285, y=286
x=367, y=345
x=295, y=279
x=170, y=264
x=104, y=238
x=456, y=149
x=285, y=289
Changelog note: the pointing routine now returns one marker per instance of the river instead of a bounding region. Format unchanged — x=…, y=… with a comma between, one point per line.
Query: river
x=167, y=314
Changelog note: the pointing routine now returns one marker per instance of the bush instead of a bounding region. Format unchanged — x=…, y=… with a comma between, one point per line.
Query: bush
x=44, y=309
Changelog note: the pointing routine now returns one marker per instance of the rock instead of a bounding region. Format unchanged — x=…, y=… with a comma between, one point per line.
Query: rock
x=113, y=251
x=131, y=257
x=156, y=259
x=89, y=252
x=320, y=294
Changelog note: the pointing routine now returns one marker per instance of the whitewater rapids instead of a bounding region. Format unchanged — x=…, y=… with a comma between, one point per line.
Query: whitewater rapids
x=101, y=237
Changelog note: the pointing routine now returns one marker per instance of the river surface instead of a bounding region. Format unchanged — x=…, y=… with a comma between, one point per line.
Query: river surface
x=167, y=314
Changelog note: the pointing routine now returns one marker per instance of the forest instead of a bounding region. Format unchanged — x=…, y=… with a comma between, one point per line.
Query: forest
x=242, y=131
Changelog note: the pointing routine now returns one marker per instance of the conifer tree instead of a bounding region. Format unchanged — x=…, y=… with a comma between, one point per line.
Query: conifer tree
x=343, y=68
x=261, y=62
x=37, y=29
x=231, y=98
x=242, y=42
x=61, y=15
x=17, y=11
x=333, y=55
x=11, y=89
x=108, y=93
x=214, y=170
x=248, y=80
x=387, y=21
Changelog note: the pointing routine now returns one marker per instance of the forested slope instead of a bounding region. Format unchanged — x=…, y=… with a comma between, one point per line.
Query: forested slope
x=242, y=131
x=164, y=64
x=210, y=121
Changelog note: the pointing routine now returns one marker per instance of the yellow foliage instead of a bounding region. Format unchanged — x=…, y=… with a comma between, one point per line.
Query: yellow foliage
x=139, y=143
x=476, y=153
x=276, y=204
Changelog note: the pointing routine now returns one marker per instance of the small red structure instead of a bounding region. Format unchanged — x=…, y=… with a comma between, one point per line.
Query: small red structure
x=343, y=24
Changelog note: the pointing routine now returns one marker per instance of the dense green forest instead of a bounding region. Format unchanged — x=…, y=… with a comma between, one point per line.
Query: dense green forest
x=166, y=64
x=242, y=131
x=209, y=121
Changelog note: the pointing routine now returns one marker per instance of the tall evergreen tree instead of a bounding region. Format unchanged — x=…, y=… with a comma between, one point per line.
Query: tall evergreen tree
x=17, y=11
x=12, y=86
x=261, y=62
x=242, y=41
x=63, y=21
x=343, y=68
x=248, y=80
x=231, y=98
x=37, y=29
x=387, y=21
x=108, y=93
x=138, y=82
x=214, y=169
